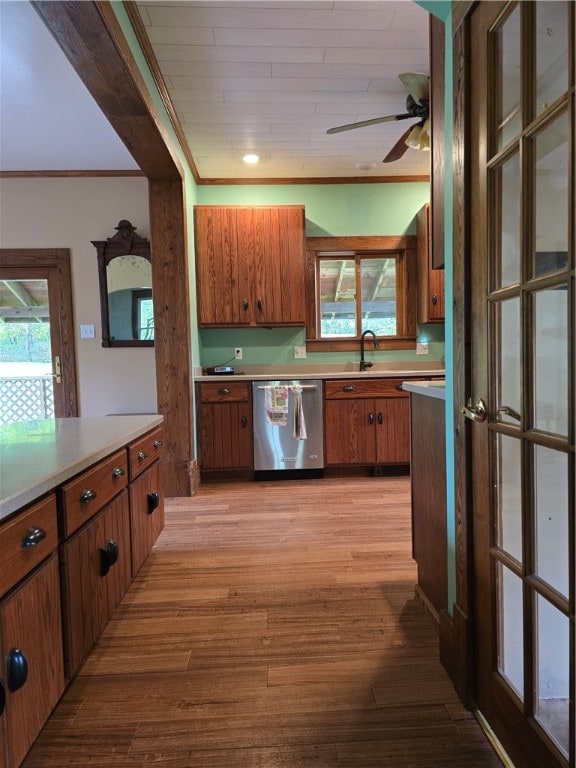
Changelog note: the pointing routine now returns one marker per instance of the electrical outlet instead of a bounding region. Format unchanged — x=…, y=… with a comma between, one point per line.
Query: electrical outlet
x=422, y=348
x=299, y=352
x=237, y=353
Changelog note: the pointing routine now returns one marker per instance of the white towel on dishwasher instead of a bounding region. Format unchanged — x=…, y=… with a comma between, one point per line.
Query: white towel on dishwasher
x=299, y=421
x=276, y=405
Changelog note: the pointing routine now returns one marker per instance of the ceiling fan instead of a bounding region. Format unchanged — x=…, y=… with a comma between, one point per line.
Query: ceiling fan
x=417, y=105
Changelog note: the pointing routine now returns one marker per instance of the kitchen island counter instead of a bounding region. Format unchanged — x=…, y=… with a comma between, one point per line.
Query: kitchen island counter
x=37, y=456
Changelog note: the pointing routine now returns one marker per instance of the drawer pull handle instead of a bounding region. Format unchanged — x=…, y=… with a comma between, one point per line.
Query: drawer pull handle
x=158, y=443
x=224, y=391
x=153, y=501
x=380, y=418
x=244, y=304
x=118, y=472
x=2, y=699
x=87, y=496
x=434, y=299
x=142, y=455
x=348, y=388
x=33, y=536
x=108, y=556
x=16, y=669
x=259, y=305
x=243, y=422
x=371, y=418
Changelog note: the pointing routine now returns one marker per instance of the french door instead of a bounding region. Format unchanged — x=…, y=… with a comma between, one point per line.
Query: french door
x=522, y=202
x=37, y=361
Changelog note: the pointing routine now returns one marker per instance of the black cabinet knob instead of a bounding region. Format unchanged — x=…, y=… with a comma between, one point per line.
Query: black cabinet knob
x=434, y=299
x=245, y=304
x=108, y=556
x=142, y=455
x=153, y=501
x=16, y=669
x=370, y=418
x=2, y=698
x=87, y=496
x=380, y=418
x=118, y=472
x=244, y=422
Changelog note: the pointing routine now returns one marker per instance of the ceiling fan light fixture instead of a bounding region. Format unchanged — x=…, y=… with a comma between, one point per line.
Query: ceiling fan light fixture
x=418, y=137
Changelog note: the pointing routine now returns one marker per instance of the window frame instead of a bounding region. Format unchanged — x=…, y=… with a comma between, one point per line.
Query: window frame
x=403, y=247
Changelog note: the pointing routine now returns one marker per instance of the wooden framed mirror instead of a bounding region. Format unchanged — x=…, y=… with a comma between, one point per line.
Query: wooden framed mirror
x=125, y=277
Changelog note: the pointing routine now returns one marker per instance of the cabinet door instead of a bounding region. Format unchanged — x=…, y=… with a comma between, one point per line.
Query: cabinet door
x=350, y=432
x=278, y=266
x=146, y=513
x=218, y=270
x=430, y=281
x=96, y=572
x=30, y=622
x=393, y=430
x=225, y=435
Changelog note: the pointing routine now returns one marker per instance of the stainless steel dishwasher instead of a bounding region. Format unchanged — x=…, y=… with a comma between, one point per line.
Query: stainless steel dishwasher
x=288, y=426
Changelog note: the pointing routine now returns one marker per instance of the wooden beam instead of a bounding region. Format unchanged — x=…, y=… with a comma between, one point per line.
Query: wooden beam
x=92, y=39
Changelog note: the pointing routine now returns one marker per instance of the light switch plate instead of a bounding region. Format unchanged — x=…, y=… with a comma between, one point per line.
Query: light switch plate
x=422, y=348
x=87, y=332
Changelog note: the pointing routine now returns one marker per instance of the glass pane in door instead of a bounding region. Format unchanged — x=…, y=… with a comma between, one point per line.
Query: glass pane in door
x=510, y=635
x=551, y=517
x=508, y=380
x=552, y=201
x=553, y=678
x=508, y=504
x=507, y=192
x=26, y=383
x=551, y=360
x=508, y=116
x=552, y=29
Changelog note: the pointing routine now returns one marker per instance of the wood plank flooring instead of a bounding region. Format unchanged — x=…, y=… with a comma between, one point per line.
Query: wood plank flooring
x=274, y=625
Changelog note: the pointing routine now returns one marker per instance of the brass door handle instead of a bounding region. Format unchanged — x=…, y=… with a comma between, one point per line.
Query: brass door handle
x=506, y=410
x=476, y=412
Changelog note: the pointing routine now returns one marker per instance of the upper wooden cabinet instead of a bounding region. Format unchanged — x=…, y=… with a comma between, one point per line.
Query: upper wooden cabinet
x=430, y=280
x=250, y=265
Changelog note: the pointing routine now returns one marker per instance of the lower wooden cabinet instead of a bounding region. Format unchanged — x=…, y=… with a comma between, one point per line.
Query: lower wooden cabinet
x=31, y=638
x=146, y=513
x=225, y=426
x=362, y=428
x=96, y=572
x=429, y=530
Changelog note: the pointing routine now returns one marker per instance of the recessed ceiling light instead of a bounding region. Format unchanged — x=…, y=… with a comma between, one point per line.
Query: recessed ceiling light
x=365, y=166
x=251, y=158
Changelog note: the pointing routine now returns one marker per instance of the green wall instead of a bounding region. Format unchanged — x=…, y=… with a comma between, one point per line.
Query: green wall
x=331, y=210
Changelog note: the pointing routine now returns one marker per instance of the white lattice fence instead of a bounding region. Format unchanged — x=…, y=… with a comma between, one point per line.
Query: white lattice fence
x=23, y=398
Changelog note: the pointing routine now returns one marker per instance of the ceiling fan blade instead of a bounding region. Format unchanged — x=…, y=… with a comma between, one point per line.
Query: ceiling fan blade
x=417, y=84
x=399, y=148
x=364, y=123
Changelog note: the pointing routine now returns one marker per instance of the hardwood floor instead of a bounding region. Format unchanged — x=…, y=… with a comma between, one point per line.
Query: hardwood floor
x=274, y=625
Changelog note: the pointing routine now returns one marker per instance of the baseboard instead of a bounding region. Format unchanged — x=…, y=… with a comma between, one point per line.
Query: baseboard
x=428, y=607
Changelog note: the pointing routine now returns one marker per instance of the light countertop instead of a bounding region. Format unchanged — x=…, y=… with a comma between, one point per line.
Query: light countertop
x=36, y=456
x=435, y=389
x=329, y=371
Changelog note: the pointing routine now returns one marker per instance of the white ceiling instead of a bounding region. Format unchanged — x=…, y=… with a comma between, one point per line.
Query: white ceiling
x=269, y=77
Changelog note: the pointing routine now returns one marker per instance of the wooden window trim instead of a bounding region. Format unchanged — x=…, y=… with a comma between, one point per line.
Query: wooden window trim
x=404, y=246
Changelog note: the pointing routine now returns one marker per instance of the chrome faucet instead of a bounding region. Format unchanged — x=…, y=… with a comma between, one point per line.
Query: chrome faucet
x=363, y=363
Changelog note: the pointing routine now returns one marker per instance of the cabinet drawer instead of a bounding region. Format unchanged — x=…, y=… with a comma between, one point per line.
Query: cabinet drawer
x=90, y=491
x=340, y=389
x=145, y=451
x=220, y=391
x=26, y=540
